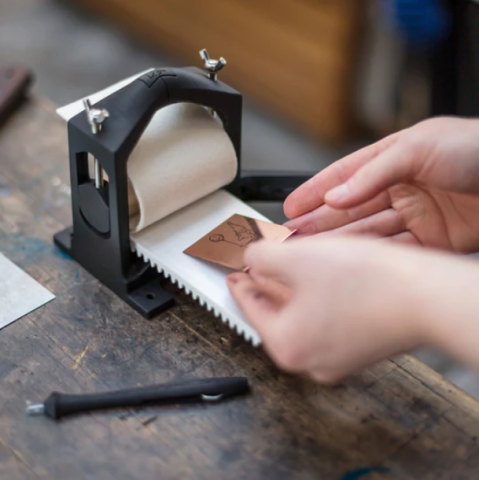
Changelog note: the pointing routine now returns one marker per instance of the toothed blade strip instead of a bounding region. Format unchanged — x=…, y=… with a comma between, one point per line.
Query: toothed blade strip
x=190, y=290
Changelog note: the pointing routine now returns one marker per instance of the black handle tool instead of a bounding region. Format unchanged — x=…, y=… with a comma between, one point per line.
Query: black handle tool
x=58, y=405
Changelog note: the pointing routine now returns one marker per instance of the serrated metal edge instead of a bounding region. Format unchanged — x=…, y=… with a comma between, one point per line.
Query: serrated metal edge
x=190, y=290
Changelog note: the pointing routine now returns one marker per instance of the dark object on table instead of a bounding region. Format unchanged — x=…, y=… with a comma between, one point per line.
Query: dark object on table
x=58, y=405
x=14, y=84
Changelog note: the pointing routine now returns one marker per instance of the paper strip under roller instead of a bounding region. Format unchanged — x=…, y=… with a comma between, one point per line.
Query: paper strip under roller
x=163, y=243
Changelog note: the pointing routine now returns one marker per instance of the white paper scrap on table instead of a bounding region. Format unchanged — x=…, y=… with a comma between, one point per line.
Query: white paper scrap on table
x=20, y=294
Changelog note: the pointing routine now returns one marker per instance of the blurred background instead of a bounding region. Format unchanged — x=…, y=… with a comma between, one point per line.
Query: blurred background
x=321, y=78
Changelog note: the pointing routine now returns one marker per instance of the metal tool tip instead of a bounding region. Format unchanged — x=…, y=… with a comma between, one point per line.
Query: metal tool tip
x=35, y=409
x=211, y=398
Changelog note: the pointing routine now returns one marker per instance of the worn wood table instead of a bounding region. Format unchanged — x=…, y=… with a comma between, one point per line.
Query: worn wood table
x=399, y=415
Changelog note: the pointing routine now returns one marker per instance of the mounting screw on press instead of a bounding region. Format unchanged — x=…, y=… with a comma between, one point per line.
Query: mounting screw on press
x=96, y=117
x=211, y=66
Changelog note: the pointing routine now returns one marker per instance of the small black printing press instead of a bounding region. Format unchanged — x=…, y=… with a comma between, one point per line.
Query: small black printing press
x=100, y=238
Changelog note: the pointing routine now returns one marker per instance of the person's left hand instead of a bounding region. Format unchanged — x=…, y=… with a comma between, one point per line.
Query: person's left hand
x=330, y=307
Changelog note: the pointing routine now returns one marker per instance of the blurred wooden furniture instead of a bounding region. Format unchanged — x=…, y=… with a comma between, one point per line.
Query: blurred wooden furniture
x=296, y=57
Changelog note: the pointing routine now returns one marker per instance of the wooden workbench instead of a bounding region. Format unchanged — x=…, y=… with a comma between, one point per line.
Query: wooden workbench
x=399, y=415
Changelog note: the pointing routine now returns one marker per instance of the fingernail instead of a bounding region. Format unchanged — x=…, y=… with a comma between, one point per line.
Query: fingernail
x=338, y=193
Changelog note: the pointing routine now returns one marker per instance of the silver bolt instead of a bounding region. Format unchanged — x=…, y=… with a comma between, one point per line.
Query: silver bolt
x=95, y=116
x=37, y=409
x=212, y=66
x=99, y=179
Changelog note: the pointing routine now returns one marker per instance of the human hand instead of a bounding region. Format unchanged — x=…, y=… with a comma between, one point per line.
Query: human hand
x=330, y=307
x=419, y=186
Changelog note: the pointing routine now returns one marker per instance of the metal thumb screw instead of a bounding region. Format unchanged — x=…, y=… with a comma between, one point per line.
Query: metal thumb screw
x=95, y=116
x=212, y=66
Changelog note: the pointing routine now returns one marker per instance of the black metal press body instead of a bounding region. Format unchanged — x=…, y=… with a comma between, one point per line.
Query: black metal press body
x=100, y=237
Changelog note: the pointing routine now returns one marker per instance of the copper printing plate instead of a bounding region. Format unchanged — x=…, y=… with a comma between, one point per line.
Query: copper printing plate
x=226, y=244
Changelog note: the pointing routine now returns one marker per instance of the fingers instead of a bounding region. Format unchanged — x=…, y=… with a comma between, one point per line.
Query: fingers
x=272, y=259
x=326, y=218
x=267, y=307
x=391, y=167
x=310, y=195
x=278, y=293
x=382, y=224
x=404, y=238
x=273, y=287
x=259, y=303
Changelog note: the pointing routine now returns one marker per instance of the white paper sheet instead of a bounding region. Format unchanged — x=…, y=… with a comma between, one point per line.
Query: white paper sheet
x=20, y=294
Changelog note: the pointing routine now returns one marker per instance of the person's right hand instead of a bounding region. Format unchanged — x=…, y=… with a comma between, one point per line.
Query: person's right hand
x=420, y=185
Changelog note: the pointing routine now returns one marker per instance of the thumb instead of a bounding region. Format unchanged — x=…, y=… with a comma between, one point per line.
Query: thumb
x=259, y=304
x=391, y=167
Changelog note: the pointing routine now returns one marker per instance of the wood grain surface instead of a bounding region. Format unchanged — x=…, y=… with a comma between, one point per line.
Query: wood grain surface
x=397, y=420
